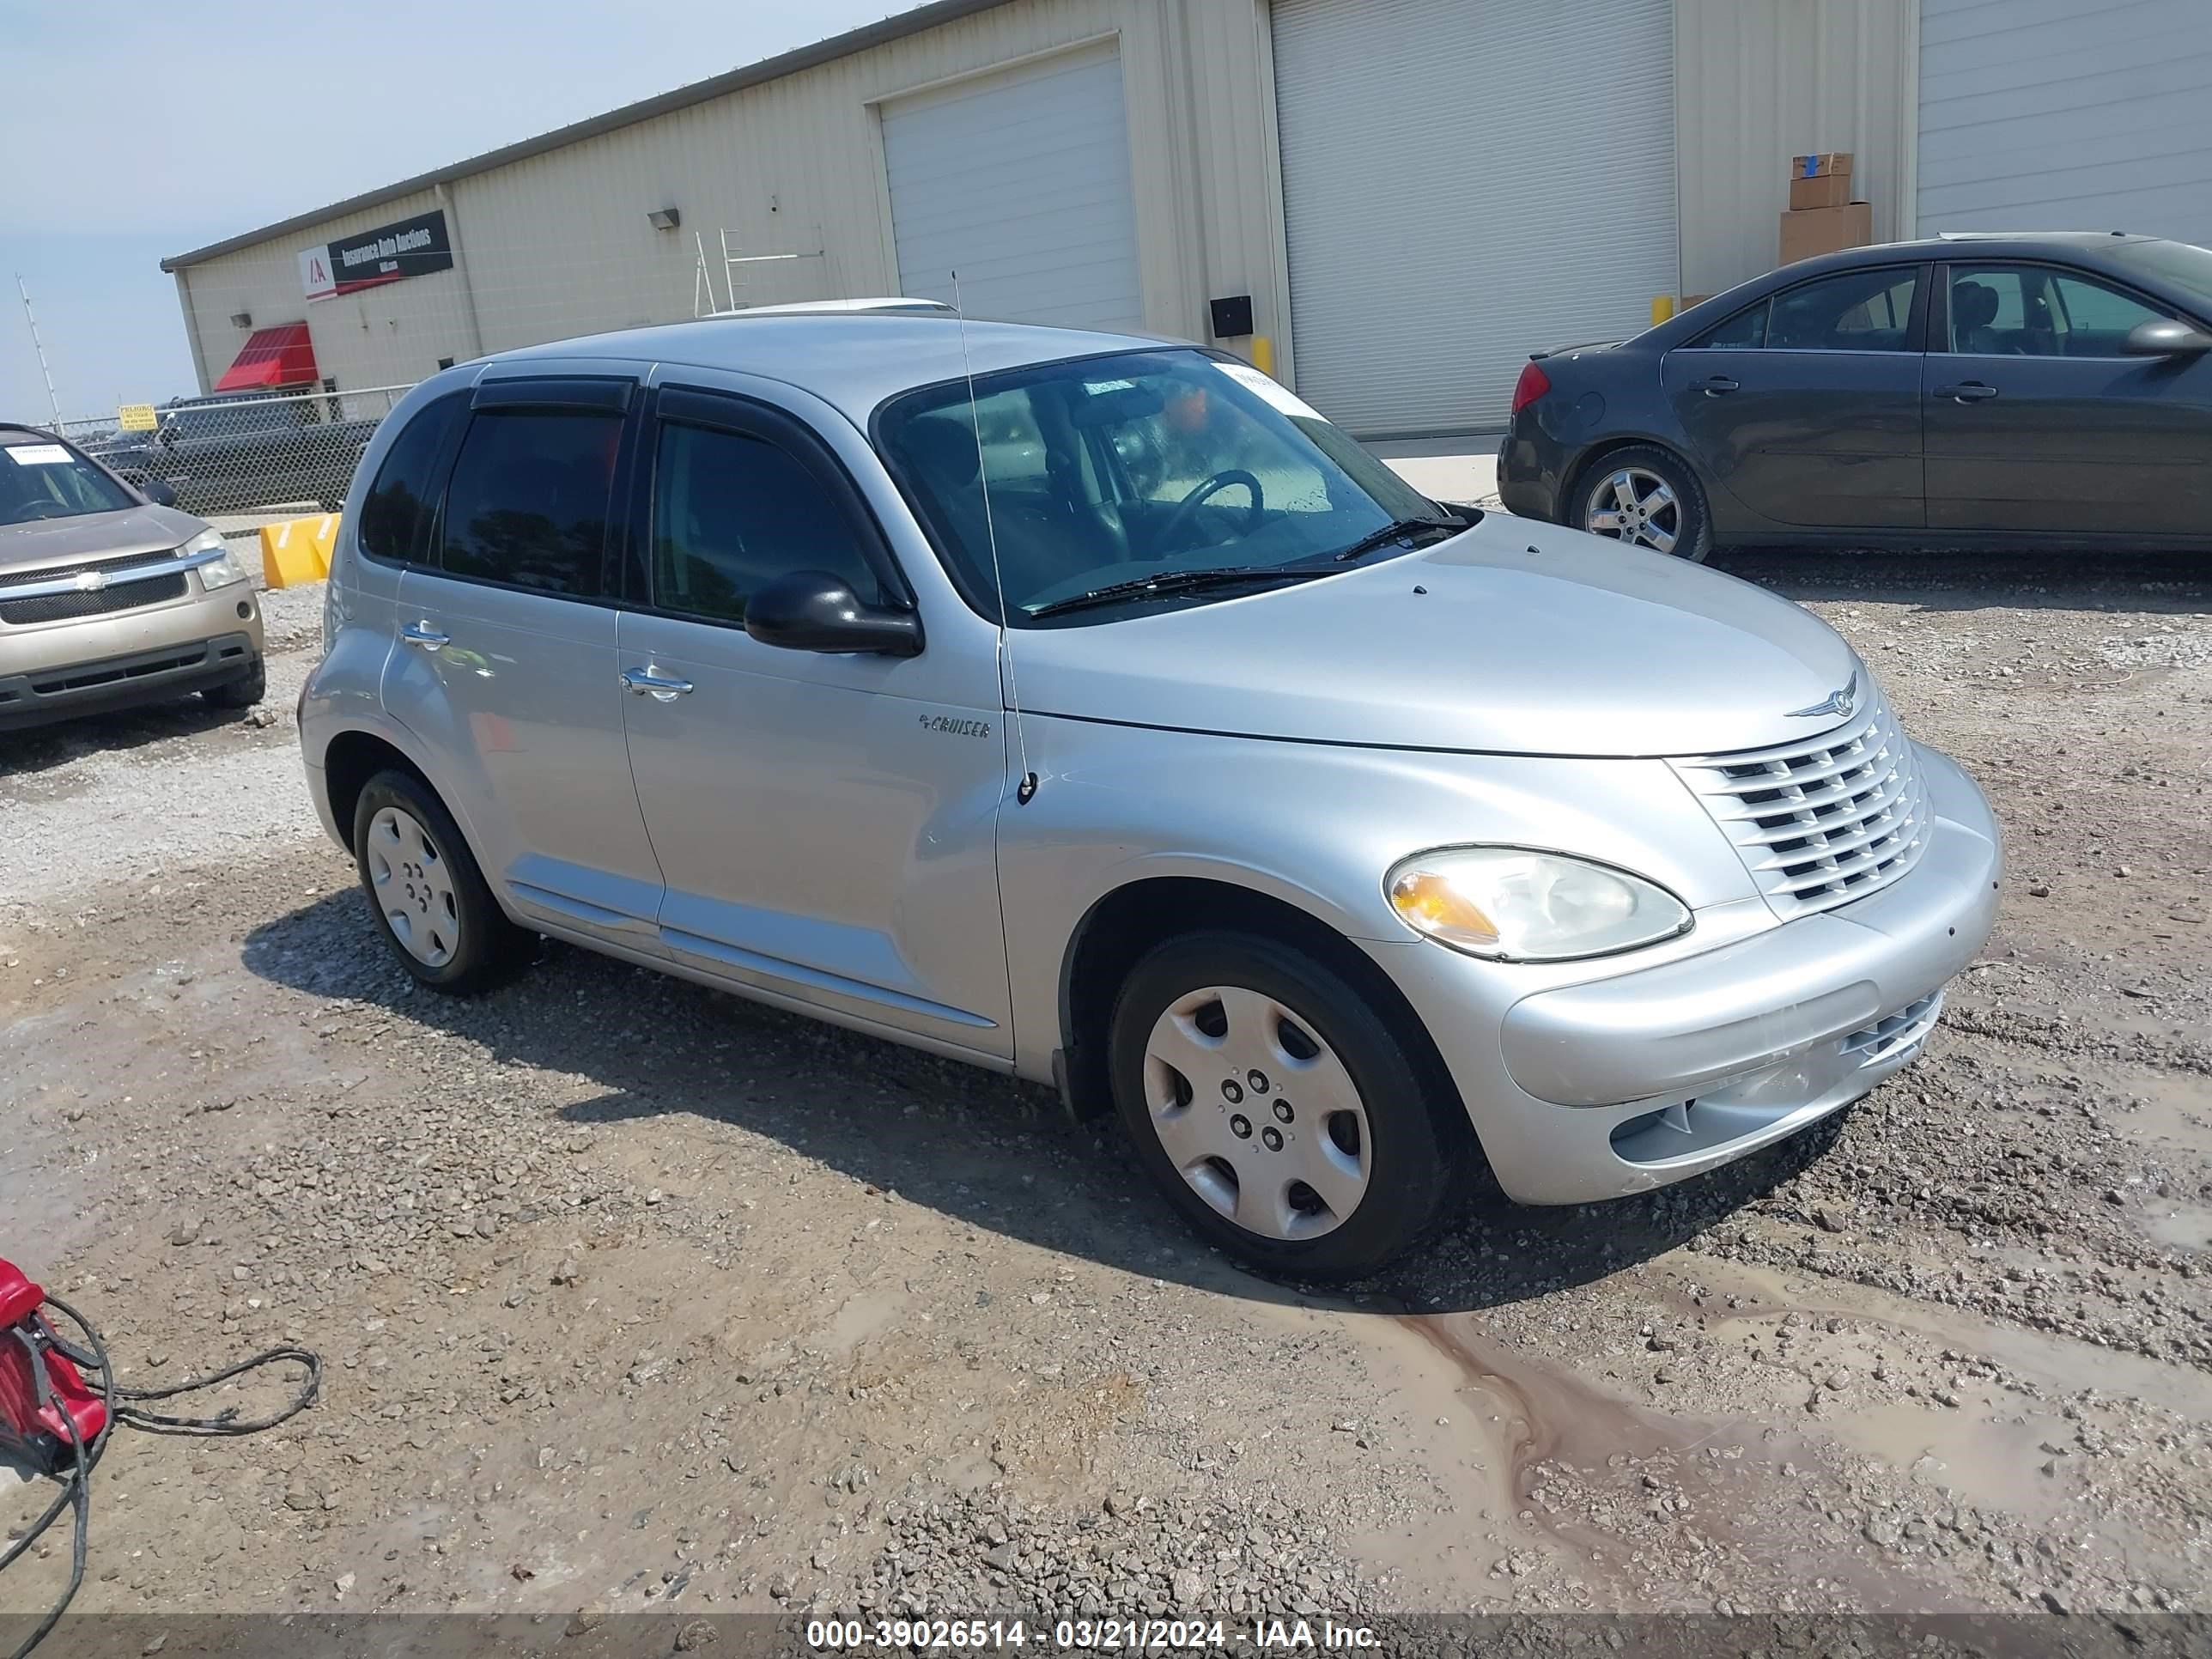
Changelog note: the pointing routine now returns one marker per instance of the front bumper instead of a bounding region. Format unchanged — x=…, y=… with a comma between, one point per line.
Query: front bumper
x=125, y=682
x=1618, y=1084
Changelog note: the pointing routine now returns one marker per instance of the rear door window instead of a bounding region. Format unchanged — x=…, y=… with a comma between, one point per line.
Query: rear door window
x=1851, y=310
x=528, y=503
x=394, y=514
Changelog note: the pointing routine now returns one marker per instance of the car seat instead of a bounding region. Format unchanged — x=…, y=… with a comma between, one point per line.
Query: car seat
x=1973, y=308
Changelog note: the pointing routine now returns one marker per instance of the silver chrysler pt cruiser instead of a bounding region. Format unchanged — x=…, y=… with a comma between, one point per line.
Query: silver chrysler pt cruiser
x=1088, y=707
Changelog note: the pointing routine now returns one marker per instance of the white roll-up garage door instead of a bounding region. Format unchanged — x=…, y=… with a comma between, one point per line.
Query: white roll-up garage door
x=1463, y=183
x=1020, y=182
x=2066, y=115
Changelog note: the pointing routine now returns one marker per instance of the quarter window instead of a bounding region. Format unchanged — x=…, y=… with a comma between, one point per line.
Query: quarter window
x=731, y=512
x=2030, y=311
x=528, y=502
x=394, y=509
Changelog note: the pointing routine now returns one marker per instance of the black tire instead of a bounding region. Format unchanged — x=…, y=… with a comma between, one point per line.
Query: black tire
x=1421, y=1148
x=246, y=691
x=1692, y=526
x=490, y=950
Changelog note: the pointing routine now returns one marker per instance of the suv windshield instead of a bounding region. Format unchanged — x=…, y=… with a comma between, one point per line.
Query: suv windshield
x=1129, y=469
x=42, y=479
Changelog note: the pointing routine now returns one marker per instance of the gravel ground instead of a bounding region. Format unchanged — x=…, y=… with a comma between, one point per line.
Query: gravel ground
x=637, y=1297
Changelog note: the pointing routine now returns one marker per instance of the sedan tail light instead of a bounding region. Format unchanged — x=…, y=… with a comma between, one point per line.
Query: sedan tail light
x=1532, y=384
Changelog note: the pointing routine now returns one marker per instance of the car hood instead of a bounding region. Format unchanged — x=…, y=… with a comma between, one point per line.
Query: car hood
x=91, y=536
x=1514, y=637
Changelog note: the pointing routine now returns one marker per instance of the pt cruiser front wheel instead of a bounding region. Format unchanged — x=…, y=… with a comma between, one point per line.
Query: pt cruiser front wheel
x=1279, y=1111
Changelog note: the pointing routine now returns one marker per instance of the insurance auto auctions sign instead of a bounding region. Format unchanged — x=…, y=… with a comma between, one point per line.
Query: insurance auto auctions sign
x=412, y=247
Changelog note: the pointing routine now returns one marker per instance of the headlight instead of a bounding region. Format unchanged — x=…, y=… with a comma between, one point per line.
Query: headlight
x=1512, y=905
x=216, y=573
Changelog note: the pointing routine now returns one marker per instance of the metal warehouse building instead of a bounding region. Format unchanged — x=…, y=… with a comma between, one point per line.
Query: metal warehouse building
x=1387, y=201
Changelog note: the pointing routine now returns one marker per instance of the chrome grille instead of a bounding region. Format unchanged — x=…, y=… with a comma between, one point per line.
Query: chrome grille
x=1822, y=820
x=64, y=572
x=62, y=607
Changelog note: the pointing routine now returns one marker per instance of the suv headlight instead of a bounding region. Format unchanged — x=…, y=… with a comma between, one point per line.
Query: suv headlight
x=1510, y=904
x=216, y=573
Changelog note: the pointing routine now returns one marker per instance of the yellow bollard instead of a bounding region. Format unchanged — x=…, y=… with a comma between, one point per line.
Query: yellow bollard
x=1662, y=308
x=297, y=550
x=1263, y=353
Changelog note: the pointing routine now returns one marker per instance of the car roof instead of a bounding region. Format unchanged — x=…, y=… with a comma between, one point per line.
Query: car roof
x=851, y=360
x=2089, y=248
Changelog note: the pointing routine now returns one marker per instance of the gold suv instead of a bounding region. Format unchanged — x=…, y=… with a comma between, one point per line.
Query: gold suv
x=110, y=598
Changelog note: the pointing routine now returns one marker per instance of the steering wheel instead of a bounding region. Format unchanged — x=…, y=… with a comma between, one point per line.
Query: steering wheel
x=1178, y=519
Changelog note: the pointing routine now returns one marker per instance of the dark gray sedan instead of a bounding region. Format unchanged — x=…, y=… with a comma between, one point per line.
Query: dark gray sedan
x=2049, y=389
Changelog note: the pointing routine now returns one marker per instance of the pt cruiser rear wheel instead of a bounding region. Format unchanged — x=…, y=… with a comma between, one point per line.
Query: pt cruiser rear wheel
x=430, y=901
x=1278, y=1110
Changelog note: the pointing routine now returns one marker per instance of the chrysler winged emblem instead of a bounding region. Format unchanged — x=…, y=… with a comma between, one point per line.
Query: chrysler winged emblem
x=1837, y=703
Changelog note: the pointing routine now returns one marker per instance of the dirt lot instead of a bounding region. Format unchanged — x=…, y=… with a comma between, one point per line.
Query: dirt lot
x=636, y=1296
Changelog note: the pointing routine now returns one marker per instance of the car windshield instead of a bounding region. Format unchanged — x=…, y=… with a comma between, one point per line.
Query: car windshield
x=42, y=479
x=1129, y=469
x=2188, y=268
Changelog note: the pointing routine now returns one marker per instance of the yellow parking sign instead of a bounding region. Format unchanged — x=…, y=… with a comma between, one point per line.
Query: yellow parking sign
x=136, y=417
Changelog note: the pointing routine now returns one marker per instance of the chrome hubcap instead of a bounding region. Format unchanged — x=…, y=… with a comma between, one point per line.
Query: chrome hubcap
x=413, y=888
x=1637, y=507
x=1256, y=1114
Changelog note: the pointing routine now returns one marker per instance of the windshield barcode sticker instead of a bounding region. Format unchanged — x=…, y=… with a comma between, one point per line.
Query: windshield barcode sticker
x=1269, y=388
x=37, y=454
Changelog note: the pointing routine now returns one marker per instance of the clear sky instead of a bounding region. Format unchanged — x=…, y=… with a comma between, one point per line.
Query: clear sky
x=131, y=132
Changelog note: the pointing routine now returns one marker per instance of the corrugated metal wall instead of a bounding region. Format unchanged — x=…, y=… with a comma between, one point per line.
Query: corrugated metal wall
x=1760, y=81
x=2066, y=115
x=559, y=244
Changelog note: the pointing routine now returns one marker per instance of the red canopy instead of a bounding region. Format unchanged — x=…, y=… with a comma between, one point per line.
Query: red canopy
x=273, y=357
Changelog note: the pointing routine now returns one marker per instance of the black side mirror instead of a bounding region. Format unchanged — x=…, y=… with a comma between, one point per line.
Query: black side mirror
x=814, y=611
x=157, y=491
x=2165, y=339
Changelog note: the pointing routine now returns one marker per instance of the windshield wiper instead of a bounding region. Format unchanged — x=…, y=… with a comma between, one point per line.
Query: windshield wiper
x=1397, y=530
x=1177, y=581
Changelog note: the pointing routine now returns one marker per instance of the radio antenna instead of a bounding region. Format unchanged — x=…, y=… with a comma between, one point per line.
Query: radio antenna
x=1026, y=790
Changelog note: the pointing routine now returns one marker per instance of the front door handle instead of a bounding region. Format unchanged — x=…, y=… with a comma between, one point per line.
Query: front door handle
x=422, y=633
x=1967, y=392
x=649, y=682
x=1718, y=385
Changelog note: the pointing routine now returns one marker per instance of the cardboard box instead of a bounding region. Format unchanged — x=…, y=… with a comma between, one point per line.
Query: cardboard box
x=1827, y=163
x=1823, y=190
x=1809, y=231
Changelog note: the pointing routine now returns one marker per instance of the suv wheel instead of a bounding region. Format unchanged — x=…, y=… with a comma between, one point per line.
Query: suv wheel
x=1279, y=1111
x=430, y=901
x=1647, y=497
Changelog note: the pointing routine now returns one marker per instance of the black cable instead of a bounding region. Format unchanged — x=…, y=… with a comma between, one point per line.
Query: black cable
x=76, y=1485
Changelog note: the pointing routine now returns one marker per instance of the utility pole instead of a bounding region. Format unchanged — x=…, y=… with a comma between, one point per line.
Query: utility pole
x=38, y=346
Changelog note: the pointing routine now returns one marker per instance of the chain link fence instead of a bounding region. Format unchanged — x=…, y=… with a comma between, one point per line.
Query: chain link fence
x=246, y=455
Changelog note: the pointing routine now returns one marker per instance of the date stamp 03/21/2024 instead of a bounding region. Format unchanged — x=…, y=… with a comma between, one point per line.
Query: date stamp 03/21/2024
x=1100, y=1634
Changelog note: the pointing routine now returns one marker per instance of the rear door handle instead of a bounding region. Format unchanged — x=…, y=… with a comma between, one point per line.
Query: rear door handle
x=1967, y=392
x=649, y=682
x=422, y=633
x=1718, y=385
